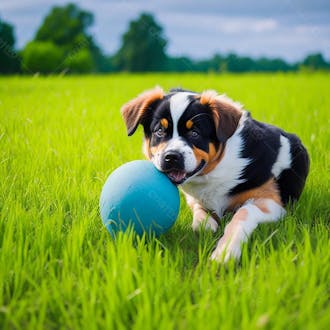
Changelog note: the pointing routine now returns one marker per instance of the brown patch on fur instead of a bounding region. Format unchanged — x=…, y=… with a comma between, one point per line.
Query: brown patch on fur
x=134, y=111
x=231, y=228
x=157, y=149
x=267, y=190
x=207, y=97
x=146, y=148
x=215, y=156
x=164, y=123
x=212, y=158
x=189, y=124
x=226, y=113
x=200, y=155
x=262, y=205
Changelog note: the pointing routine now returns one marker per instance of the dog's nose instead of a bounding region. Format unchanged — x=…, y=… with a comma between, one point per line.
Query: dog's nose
x=173, y=160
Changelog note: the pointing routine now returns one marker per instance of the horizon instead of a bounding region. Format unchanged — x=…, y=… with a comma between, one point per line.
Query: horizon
x=290, y=31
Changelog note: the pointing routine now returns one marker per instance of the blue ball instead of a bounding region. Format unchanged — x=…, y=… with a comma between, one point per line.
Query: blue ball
x=138, y=195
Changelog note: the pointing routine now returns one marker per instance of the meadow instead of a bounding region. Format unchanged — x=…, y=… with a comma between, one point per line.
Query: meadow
x=60, y=137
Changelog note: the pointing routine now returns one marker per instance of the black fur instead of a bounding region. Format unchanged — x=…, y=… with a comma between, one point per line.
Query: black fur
x=150, y=128
x=291, y=181
x=203, y=125
x=261, y=144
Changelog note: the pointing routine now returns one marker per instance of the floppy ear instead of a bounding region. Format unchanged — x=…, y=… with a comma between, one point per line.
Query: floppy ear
x=226, y=113
x=135, y=111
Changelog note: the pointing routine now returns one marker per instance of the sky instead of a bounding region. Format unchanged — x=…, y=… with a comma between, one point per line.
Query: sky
x=290, y=29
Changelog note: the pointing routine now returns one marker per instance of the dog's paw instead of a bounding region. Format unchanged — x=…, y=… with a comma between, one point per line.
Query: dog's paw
x=226, y=250
x=208, y=224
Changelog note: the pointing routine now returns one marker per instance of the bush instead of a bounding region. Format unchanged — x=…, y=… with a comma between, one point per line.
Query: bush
x=9, y=58
x=43, y=57
x=80, y=61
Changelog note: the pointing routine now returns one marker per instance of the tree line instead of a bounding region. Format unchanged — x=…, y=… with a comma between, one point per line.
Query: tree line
x=62, y=44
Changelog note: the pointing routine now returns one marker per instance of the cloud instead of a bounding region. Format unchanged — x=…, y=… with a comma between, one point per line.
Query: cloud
x=208, y=23
x=289, y=28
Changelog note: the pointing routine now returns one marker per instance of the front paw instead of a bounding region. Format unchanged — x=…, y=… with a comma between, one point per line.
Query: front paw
x=208, y=224
x=226, y=250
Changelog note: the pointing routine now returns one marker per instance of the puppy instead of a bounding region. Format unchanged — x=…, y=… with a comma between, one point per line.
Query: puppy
x=222, y=158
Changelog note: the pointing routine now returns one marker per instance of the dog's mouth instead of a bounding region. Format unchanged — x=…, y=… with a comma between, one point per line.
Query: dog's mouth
x=180, y=176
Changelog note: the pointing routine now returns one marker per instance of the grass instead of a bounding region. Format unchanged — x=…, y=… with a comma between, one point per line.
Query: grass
x=60, y=137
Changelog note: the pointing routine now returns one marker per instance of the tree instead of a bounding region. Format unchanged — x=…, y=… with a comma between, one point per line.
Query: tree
x=9, y=58
x=143, y=46
x=65, y=26
x=43, y=57
x=271, y=65
x=180, y=64
x=80, y=62
x=315, y=62
x=66, y=29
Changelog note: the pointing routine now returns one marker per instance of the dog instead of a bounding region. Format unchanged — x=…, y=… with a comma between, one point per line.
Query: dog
x=222, y=159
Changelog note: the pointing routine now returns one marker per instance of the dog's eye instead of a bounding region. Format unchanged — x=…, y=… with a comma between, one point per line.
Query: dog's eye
x=194, y=133
x=160, y=132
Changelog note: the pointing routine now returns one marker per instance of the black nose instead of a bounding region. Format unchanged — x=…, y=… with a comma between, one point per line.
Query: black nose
x=173, y=160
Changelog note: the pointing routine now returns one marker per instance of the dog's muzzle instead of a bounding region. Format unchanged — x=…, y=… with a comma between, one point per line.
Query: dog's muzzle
x=173, y=165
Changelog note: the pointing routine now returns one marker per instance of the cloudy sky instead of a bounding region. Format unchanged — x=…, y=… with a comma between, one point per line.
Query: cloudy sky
x=285, y=28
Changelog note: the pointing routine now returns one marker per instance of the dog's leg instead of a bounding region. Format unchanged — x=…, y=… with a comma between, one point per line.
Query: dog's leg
x=244, y=221
x=201, y=219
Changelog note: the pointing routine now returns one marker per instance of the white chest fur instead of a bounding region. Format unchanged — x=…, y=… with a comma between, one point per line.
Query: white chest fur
x=211, y=190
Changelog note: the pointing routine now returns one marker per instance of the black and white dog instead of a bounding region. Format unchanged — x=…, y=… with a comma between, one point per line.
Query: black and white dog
x=222, y=158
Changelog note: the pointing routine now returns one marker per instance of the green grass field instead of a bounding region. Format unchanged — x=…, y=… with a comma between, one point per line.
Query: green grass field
x=60, y=137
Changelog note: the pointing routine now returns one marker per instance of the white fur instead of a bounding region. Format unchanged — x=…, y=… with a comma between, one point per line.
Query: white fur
x=202, y=220
x=283, y=160
x=178, y=104
x=237, y=232
x=210, y=190
x=179, y=145
x=156, y=159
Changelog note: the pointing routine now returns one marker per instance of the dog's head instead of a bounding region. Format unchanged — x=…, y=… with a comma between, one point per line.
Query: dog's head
x=185, y=132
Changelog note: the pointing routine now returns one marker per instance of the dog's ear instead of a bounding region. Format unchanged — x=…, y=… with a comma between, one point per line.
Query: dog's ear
x=226, y=113
x=137, y=110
